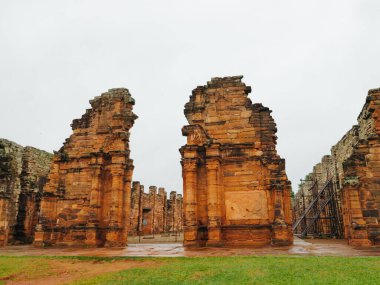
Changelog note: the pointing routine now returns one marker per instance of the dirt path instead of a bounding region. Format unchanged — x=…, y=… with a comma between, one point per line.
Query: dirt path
x=66, y=271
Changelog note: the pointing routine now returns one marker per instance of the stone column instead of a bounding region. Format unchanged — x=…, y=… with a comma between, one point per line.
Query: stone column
x=356, y=226
x=125, y=203
x=282, y=232
x=153, y=198
x=95, y=205
x=162, y=194
x=115, y=226
x=44, y=230
x=214, y=218
x=179, y=217
x=189, y=173
x=140, y=228
x=4, y=228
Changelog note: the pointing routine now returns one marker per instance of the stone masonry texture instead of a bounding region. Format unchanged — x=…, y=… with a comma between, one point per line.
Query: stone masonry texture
x=23, y=173
x=86, y=201
x=354, y=167
x=153, y=212
x=236, y=191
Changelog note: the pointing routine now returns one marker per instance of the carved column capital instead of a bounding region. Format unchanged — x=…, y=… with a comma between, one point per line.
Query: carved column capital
x=189, y=164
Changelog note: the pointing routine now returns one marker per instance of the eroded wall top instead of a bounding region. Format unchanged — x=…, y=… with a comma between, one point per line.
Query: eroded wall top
x=224, y=111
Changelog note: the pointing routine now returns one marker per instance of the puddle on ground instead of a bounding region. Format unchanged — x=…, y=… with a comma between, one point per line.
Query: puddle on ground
x=315, y=247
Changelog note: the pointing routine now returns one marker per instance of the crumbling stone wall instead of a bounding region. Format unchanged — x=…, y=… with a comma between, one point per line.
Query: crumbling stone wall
x=361, y=184
x=174, y=221
x=236, y=191
x=342, y=151
x=35, y=169
x=152, y=212
x=23, y=173
x=10, y=187
x=86, y=201
x=135, y=226
x=355, y=171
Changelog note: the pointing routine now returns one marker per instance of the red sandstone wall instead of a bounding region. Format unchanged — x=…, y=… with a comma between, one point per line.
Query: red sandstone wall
x=87, y=198
x=361, y=184
x=355, y=171
x=235, y=187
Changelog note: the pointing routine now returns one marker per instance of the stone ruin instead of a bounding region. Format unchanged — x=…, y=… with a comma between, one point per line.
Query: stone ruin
x=236, y=191
x=152, y=213
x=23, y=173
x=235, y=187
x=86, y=201
x=353, y=171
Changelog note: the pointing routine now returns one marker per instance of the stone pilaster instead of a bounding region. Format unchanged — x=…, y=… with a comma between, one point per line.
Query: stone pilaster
x=213, y=194
x=189, y=175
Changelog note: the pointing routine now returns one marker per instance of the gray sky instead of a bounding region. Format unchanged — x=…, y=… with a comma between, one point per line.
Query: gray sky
x=311, y=62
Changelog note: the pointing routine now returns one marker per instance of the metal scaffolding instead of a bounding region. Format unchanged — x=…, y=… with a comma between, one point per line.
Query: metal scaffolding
x=317, y=212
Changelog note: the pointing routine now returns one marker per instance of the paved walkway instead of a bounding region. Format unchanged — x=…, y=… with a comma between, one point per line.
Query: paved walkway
x=322, y=247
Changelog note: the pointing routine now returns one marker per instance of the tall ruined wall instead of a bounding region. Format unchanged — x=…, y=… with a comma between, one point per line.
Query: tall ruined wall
x=235, y=187
x=174, y=222
x=324, y=170
x=87, y=198
x=361, y=184
x=152, y=212
x=35, y=169
x=23, y=173
x=135, y=226
x=10, y=187
x=342, y=151
x=152, y=205
x=355, y=171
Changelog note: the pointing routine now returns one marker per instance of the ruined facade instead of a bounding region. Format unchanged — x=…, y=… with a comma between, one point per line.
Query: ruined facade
x=23, y=173
x=153, y=213
x=354, y=172
x=236, y=191
x=86, y=200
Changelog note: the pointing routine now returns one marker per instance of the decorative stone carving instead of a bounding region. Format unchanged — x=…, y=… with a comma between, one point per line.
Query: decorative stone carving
x=246, y=205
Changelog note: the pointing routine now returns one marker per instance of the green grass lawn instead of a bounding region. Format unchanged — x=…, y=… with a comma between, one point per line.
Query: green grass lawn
x=213, y=270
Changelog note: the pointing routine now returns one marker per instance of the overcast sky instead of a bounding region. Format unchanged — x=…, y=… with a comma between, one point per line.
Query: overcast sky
x=311, y=62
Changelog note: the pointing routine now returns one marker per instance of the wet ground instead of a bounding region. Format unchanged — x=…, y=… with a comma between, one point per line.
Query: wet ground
x=160, y=238
x=315, y=247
